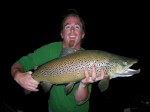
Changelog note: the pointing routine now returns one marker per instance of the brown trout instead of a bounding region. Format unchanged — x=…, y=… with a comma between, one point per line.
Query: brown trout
x=69, y=68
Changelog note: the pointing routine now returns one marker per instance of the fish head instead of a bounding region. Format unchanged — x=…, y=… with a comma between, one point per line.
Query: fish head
x=122, y=67
x=118, y=67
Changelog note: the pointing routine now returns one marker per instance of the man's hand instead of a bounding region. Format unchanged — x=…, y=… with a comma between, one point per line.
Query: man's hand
x=82, y=94
x=26, y=81
x=90, y=79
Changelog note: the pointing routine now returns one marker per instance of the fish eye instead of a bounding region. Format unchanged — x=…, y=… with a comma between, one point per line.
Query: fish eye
x=125, y=63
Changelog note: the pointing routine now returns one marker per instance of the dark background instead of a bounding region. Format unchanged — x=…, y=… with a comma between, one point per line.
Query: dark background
x=118, y=27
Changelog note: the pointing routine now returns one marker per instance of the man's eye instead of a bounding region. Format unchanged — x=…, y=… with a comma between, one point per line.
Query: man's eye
x=66, y=27
x=77, y=26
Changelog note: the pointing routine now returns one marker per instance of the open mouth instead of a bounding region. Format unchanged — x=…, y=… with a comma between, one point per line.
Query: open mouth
x=130, y=72
x=131, y=69
x=127, y=72
x=72, y=38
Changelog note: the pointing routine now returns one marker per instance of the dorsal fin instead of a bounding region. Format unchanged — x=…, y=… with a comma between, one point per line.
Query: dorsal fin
x=67, y=51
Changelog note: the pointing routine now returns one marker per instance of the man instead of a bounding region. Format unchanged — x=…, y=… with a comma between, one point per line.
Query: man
x=72, y=33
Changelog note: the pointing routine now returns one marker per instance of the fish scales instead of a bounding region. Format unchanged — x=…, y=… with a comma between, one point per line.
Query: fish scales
x=66, y=69
x=71, y=67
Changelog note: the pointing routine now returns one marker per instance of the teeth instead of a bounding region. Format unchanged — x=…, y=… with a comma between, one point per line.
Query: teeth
x=72, y=36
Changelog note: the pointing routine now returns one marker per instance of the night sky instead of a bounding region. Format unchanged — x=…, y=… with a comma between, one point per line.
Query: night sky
x=115, y=27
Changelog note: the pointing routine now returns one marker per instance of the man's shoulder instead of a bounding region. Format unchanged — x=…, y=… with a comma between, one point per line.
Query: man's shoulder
x=53, y=44
x=57, y=43
x=50, y=47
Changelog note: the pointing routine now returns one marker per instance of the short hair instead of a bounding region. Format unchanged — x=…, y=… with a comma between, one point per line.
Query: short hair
x=72, y=12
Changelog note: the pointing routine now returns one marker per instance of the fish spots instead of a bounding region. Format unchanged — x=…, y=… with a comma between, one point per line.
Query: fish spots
x=71, y=67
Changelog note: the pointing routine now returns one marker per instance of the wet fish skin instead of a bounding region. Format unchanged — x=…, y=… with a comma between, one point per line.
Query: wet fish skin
x=70, y=68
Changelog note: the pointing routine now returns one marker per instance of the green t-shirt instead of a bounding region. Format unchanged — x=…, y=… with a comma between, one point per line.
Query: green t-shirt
x=58, y=100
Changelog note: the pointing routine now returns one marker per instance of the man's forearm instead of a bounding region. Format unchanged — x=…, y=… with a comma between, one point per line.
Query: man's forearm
x=16, y=68
x=82, y=94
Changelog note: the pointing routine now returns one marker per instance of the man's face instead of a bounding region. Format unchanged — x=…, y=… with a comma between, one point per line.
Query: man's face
x=72, y=32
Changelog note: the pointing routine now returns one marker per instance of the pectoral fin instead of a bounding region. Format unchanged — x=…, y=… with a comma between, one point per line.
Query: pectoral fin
x=103, y=84
x=69, y=87
x=67, y=51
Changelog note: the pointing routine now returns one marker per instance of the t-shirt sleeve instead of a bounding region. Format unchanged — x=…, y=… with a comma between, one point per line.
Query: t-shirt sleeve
x=40, y=56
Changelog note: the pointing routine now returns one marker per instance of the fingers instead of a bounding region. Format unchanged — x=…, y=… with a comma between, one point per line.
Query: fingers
x=29, y=72
x=93, y=78
x=33, y=81
x=102, y=74
x=93, y=74
x=31, y=85
x=33, y=89
x=29, y=82
x=86, y=73
x=87, y=79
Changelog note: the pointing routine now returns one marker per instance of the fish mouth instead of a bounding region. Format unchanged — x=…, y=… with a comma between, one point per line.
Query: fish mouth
x=127, y=72
x=130, y=72
x=131, y=69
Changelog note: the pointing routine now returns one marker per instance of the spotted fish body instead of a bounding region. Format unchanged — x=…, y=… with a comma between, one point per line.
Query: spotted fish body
x=70, y=68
